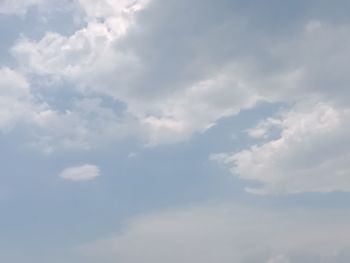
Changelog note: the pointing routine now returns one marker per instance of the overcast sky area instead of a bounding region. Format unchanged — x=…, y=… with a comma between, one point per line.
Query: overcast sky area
x=168, y=131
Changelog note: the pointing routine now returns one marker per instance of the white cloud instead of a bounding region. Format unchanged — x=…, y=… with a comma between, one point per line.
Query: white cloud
x=88, y=54
x=86, y=125
x=17, y=104
x=74, y=57
x=310, y=155
x=86, y=172
x=225, y=234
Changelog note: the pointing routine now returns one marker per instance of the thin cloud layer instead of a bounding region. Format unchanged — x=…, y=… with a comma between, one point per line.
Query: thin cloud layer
x=226, y=234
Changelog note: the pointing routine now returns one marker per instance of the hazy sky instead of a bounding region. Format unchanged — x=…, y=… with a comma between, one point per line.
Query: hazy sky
x=168, y=131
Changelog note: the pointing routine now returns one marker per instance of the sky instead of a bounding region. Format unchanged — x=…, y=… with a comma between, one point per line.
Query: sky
x=152, y=131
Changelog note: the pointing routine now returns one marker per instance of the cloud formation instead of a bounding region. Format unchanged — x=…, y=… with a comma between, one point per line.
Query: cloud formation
x=311, y=154
x=86, y=172
x=179, y=88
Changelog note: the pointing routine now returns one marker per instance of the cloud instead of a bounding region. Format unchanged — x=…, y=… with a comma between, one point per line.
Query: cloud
x=86, y=172
x=88, y=123
x=88, y=54
x=17, y=104
x=179, y=73
x=95, y=60
x=311, y=154
x=227, y=233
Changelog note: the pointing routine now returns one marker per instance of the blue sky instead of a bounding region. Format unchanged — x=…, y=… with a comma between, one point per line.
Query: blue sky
x=174, y=131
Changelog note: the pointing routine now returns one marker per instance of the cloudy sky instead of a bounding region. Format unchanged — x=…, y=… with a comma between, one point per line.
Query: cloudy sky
x=152, y=131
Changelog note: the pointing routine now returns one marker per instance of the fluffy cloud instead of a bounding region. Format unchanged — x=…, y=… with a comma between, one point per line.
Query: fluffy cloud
x=83, y=55
x=227, y=234
x=88, y=60
x=311, y=154
x=86, y=172
x=88, y=54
